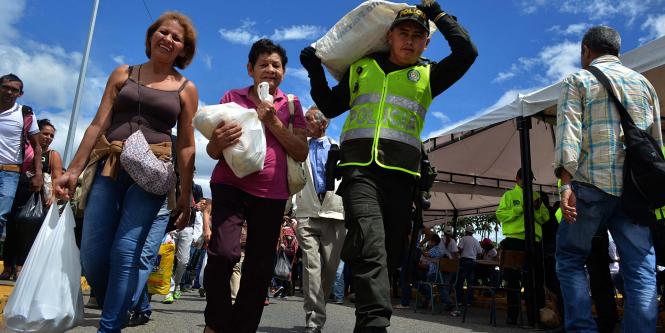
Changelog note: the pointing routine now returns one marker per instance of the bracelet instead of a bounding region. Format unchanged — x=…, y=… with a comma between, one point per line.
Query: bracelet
x=442, y=14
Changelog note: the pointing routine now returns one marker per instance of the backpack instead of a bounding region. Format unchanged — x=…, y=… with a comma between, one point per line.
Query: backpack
x=27, y=151
x=289, y=240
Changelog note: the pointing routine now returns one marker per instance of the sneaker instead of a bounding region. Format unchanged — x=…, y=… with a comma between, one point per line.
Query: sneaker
x=202, y=292
x=138, y=319
x=168, y=299
x=177, y=294
x=278, y=292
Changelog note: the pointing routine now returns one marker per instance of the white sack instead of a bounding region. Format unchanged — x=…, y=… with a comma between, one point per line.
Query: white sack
x=246, y=156
x=47, y=296
x=359, y=33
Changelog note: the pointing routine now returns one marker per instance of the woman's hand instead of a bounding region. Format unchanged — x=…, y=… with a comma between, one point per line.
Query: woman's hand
x=207, y=234
x=224, y=136
x=183, y=211
x=65, y=185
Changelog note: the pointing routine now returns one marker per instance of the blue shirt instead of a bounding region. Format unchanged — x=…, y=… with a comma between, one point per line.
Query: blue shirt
x=318, y=156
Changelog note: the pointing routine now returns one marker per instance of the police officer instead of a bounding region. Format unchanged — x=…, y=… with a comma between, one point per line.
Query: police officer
x=388, y=94
x=511, y=215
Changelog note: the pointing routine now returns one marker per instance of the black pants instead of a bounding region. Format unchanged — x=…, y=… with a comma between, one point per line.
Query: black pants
x=230, y=208
x=19, y=235
x=600, y=281
x=377, y=206
x=514, y=281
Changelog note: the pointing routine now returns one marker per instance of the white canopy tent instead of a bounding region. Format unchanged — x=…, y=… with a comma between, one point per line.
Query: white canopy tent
x=477, y=158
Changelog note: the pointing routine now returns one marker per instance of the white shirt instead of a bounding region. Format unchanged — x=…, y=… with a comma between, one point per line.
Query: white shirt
x=450, y=249
x=470, y=247
x=198, y=226
x=490, y=255
x=11, y=129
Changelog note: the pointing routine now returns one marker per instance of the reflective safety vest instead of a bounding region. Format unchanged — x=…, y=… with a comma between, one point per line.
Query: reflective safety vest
x=511, y=214
x=660, y=212
x=387, y=116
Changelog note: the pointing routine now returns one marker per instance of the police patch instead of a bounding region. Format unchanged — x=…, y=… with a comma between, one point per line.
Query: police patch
x=413, y=75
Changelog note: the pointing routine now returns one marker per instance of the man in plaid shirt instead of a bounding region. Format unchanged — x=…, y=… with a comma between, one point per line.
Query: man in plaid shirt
x=589, y=159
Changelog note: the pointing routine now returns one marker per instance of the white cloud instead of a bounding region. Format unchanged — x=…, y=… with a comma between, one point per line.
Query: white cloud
x=207, y=60
x=573, y=29
x=10, y=13
x=441, y=116
x=247, y=34
x=118, y=59
x=554, y=62
x=596, y=10
x=297, y=32
x=655, y=26
x=244, y=35
x=298, y=73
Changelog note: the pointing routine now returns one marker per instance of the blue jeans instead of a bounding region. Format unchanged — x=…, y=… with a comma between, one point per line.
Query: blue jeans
x=338, y=288
x=140, y=300
x=8, y=185
x=118, y=217
x=638, y=264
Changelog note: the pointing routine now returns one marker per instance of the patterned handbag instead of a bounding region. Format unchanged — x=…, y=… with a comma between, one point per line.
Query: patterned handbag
x=138, y=160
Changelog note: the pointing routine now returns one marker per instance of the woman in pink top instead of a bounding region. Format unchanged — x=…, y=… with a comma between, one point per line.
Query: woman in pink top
x=258, y=198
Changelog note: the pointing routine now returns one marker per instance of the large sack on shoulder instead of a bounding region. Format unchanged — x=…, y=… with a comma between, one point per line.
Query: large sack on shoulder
x=360, y=32
x=248, y=155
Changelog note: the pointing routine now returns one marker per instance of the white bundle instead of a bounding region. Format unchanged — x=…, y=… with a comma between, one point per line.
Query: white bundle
x=360, y=32
x=246, y=156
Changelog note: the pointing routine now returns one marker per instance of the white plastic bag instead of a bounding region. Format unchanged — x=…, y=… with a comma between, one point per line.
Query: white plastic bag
x=47, y=296
x=248, y=155
x=360, y=32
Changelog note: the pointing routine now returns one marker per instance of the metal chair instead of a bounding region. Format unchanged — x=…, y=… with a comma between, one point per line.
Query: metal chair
x=449, y=266
x=508, y=260
x=438, y=279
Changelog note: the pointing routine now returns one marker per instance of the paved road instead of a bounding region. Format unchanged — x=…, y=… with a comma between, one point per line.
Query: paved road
x=282, y=316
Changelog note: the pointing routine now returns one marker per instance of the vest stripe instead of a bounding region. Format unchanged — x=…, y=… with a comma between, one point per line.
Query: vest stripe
x=366, y=98
x=407, y=104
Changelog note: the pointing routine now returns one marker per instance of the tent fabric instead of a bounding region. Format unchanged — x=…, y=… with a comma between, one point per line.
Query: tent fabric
x=478, y=158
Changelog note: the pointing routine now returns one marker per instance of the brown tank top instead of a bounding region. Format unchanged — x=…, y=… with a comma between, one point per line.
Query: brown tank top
x=159, y=111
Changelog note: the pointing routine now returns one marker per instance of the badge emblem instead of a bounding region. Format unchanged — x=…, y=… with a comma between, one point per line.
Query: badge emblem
x=413, y=75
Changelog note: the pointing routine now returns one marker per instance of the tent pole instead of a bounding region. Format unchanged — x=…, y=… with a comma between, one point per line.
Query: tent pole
x=455, y=222
x=524, y=126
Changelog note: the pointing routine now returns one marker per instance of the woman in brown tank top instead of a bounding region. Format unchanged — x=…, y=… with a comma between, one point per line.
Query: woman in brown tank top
x=118, y=214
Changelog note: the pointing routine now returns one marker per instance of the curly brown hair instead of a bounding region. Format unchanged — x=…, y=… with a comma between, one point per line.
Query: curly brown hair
x=190, y=36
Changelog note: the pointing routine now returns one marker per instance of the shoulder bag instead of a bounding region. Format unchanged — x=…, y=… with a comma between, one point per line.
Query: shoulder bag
x=295, y=174
x=644, y=167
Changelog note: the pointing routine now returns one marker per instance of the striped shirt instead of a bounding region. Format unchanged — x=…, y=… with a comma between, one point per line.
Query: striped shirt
x=589, y=138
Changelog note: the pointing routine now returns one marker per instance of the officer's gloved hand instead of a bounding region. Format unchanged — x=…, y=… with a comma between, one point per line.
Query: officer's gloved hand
x=432, y=11
x=309, y=60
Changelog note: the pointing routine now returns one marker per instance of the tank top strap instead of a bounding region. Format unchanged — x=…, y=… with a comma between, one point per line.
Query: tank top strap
x=183, y=86
x=131, y=69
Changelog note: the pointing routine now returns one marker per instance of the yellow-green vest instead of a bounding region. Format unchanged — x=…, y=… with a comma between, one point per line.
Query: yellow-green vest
x=511, y=214
x=660, y=213
x=387, y=116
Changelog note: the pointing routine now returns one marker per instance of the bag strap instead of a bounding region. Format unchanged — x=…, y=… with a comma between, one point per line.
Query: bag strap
x=26, y=113
x=292, y=110
x=626, y=120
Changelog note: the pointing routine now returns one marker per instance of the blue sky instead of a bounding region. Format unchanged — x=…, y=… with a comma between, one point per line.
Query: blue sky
x=523, y=45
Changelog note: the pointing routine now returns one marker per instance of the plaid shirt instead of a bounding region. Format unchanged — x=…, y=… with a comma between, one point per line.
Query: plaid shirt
x=589, y=138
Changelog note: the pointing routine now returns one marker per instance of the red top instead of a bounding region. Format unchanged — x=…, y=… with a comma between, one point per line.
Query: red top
x=271, y=181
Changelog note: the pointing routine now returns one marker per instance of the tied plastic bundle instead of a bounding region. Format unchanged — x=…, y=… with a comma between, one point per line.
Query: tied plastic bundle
x=360, y=32
x=47, y=296
x=246, y=156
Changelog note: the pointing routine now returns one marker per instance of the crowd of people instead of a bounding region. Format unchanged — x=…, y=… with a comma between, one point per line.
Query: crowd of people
x=257, y=236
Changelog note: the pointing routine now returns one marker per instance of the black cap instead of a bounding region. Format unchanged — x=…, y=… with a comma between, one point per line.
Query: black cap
x=519, y=174
x=412, y=14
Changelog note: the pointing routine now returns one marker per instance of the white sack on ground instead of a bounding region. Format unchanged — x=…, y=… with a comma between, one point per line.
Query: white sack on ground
x=246, y=156
x=360, y=32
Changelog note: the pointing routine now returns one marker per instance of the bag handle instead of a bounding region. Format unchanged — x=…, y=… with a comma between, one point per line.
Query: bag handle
x=292, y=109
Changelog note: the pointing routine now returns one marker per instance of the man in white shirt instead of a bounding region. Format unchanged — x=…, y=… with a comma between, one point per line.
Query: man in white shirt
x=11, y=141
x=448, y=243
x=320, y=229
x=469, y=249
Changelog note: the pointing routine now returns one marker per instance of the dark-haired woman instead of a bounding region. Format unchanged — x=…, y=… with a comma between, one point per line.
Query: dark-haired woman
x=151, y=97
x=258, y=198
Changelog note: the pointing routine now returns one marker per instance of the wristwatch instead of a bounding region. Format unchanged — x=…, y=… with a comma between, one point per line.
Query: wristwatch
x=564, y=187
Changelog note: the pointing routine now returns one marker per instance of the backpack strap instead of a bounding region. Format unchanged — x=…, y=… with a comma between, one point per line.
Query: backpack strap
x=626, y=120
